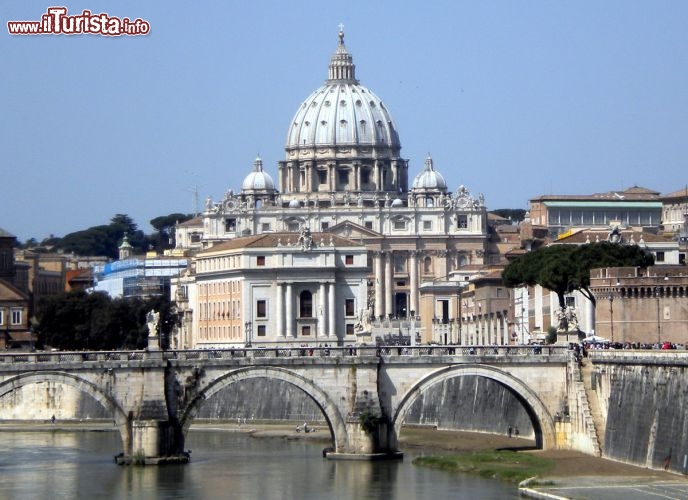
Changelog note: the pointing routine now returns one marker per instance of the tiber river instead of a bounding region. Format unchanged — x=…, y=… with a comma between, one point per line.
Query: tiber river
x=71, y=465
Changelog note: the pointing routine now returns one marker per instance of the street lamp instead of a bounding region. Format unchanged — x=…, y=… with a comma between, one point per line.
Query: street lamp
x=248, y=328
x=611, y=313
x=659, y=337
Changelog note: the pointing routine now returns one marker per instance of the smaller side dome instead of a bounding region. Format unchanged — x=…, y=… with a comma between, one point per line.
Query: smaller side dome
x=397, y=202
x=258, y=180
x=294, y=204
x=429, y=178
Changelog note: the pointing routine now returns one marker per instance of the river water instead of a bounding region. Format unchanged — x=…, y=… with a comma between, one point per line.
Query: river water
x=231, y=465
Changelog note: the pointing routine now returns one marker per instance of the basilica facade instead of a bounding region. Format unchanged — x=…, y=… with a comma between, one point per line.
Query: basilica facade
x=343, y=177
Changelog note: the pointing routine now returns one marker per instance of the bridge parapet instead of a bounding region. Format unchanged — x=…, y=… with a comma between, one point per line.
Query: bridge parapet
x=639, y=357
x=507, y=353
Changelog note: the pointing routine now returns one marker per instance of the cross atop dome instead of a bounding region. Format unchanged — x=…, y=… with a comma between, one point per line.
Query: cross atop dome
x=342, y=67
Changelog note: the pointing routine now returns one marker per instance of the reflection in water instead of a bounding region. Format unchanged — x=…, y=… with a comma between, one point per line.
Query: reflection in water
x=224, y=465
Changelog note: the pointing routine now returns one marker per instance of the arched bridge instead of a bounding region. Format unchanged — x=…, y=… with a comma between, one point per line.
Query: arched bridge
x=364, y=393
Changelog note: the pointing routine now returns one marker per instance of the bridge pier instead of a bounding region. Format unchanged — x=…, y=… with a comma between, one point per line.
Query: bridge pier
x=153, y=442
x=368, y=438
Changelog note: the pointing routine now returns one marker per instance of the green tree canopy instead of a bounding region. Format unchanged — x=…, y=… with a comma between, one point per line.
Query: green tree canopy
x=564, y=268
x=515, y=214
x=80, y=320
x=164, y=225
x=105, y=239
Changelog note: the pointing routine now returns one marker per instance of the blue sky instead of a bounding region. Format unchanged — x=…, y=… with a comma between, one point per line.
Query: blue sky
x=512, y=99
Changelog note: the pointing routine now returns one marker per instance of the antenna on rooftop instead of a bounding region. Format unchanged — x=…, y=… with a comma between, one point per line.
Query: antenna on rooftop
x=194, y=192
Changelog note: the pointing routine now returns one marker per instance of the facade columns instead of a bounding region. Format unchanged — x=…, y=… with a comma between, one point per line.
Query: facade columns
x=389, y=276
x=379, y=286
x=280, y=311
x=330, y=177
x=332, y=311
x=289, y=297
x=322, y=311
x=413, y=275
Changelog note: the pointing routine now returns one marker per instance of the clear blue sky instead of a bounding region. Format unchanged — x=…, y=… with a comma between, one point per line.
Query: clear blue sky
x=512, y=99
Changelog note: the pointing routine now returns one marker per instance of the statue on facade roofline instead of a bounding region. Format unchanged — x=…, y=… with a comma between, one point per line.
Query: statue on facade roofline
x=614, y=234
x=305, y=239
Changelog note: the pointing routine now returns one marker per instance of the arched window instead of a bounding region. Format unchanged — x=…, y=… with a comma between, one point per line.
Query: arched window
x=427, y=265
x=306, y=304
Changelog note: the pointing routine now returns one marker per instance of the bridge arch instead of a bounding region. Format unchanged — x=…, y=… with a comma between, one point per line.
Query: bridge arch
x=543, y=424
x=322, y=400
x=81, y=384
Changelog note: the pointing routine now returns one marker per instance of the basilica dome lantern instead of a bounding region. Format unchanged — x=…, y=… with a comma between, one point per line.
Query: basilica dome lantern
x=342, y=139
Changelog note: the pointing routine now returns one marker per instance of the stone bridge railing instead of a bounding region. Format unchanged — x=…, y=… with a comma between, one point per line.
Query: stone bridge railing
x=497, y=352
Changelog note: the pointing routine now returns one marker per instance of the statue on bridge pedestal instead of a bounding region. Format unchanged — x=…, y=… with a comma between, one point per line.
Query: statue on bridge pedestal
x=362, y=325
x=153, y=321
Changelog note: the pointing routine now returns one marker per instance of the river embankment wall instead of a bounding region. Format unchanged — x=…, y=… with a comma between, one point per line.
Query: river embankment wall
x=644, y=400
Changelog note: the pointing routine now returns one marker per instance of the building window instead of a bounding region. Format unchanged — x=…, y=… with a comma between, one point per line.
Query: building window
x=343, y=176
x=349, y=260
x=230, y=225
x=261, y=330
x=324, y=225
x=306, y=304
x=261, y=309
x=570, y=301
x=427, y=225
x=349, y=329
x=368, y=224
x=349, y=309
x=195, y=237
x=306, y=330
x=427, y=265
x=2, y=317
x=365, y=176
x=429, y=202
x=16, y=316
x=659, y=256
x=322, y=176
x=260, y=260
x=400, y=224
x=293, y=227
x=399, y=263
x=462, y=221
x=266, y=227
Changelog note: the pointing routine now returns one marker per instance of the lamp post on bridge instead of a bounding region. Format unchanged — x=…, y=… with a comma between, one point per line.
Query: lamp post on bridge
x=611, y=314
x=248, y=329
x=657, y=291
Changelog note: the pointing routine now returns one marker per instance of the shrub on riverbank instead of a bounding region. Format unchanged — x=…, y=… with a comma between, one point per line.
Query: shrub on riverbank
x=508, y=466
